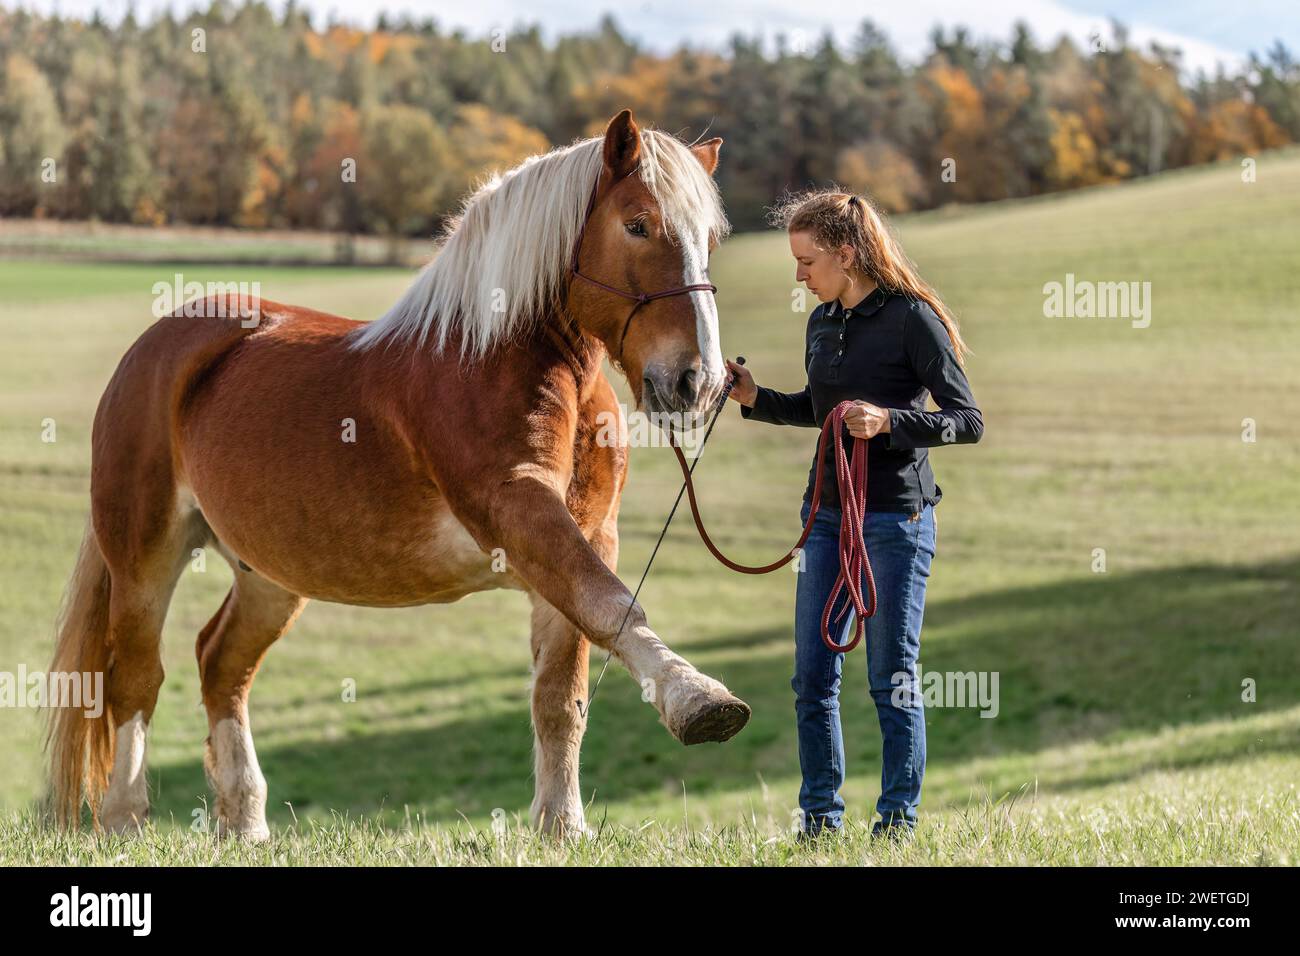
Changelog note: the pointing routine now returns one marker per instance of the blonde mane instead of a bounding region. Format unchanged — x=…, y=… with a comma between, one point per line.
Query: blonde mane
x=504, y=260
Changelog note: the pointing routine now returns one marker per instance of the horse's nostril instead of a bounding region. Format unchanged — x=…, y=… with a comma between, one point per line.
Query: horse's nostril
x=688, y=385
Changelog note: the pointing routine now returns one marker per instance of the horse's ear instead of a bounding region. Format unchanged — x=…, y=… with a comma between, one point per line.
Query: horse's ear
x=707, y=153
x=622, y=144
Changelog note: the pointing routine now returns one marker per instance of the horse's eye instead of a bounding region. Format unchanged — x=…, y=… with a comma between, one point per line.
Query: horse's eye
x=637, y=228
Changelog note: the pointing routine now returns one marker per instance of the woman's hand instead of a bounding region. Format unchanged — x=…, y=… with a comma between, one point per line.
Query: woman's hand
x=745, y=390
x=865, y=420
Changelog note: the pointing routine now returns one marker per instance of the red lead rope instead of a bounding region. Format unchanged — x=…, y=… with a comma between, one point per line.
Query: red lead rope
x=851, y=478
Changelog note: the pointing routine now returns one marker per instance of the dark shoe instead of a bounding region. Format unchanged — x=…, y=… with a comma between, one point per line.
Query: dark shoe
x=818, y=834
x=898, y=832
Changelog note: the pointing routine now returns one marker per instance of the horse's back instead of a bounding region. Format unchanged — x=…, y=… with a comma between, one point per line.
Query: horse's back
x=296, y=454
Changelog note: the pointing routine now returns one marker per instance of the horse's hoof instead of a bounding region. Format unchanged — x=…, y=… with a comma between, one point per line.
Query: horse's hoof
x=125, y=828
x=717, y=722
x=252, y=834
x=119, y=822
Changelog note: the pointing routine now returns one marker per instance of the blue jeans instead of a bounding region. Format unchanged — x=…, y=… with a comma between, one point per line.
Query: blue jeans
x=900, y=549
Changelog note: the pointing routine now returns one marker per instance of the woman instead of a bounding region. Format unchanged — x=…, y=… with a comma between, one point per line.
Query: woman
x=882, y=338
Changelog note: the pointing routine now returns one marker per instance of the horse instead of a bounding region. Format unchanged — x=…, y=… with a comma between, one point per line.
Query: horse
x=473, y=408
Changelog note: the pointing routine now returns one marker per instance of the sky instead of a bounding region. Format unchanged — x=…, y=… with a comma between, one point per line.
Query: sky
x=1209, y=32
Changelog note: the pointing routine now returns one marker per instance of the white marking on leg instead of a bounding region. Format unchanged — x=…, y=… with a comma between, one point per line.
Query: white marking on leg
x=234, y=773
x=557, y=801
x=678, y=691
x=126, y=805
x=558, y=727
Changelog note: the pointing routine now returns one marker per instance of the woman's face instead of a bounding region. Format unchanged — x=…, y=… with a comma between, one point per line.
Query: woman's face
x=824, y=272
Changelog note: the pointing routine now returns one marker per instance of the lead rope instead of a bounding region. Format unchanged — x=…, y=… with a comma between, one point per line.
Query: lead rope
x=851, y=477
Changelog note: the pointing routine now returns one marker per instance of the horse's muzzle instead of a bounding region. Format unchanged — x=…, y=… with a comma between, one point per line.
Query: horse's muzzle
x=681, y=390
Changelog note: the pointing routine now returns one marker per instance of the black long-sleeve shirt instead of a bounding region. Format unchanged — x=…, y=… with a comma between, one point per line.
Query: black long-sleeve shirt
x=889, y=350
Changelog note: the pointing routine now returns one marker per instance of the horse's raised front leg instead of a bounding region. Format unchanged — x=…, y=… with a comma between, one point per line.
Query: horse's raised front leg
x=527, y=516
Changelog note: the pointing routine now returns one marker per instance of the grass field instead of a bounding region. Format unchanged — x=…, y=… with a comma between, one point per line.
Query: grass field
x=1121, y=737
x=51, y=238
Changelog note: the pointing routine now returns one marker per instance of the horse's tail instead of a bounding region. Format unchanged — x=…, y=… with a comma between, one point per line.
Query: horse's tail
x=81, y=747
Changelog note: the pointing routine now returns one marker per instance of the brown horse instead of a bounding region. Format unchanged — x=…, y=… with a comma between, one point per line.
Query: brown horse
x=389, y=464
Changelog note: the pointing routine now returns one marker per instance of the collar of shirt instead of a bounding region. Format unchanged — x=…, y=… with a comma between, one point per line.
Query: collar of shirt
x=869, y=305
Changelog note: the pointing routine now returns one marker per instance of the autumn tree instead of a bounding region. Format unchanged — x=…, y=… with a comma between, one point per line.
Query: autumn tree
x=408, y=171
x=488, y=143
x=242, y=114
x=33, y=139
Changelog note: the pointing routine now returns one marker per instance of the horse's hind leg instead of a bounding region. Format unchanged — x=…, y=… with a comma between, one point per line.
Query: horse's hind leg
x=141, y=592
x=560, y=653
x=230, y=650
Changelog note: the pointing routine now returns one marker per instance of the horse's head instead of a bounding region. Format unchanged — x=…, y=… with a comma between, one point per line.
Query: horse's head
x=655, y=218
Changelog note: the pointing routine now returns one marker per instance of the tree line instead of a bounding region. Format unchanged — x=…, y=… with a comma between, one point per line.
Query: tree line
x=238, y=116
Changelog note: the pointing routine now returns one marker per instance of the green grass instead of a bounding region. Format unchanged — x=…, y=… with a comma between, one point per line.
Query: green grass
x=94, y=241
x=1122, y=736
x=1164, y=825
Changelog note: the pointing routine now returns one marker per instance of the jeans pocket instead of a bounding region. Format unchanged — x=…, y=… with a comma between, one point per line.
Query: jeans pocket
x=930, y=542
